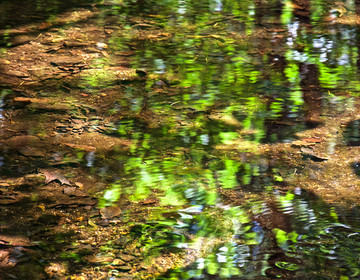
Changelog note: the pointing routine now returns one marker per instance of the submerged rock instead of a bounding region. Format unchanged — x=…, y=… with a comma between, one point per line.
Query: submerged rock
x=31, y=152
x=21, y=141
x=110, y=212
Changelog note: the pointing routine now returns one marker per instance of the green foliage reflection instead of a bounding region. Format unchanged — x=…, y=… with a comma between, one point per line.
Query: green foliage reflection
x=222, y=82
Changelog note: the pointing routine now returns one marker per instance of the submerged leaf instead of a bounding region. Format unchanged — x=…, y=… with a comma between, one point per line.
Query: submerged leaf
x=54, y=176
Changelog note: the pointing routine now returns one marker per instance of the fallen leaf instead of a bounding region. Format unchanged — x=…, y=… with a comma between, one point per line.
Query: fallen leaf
x=42, y=207
x=54, y=176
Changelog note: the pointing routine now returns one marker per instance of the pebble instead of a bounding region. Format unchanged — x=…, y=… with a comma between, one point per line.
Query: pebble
x=124, y=267
x=126, y=258
x=118, y=262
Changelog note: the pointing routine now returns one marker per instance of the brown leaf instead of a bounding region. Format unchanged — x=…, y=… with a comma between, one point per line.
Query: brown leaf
x=55, y=176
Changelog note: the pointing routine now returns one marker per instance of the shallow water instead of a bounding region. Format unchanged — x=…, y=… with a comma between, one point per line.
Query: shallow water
x=236, y=137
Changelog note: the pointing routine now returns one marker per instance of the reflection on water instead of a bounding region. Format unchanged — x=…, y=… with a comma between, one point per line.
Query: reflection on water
x=230, y=93
x=352, y=133
x=294, y=237
x=11, y=15
x=225, y=82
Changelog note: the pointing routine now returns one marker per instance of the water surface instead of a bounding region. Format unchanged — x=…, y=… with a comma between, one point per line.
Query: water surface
x=180, y=140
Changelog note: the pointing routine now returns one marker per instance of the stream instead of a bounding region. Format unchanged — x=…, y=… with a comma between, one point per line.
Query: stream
x=176, y=139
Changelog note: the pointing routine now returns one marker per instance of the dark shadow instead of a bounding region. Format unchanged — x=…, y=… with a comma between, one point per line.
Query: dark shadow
x=17, y=12
x=312, y=95
x=352, y=133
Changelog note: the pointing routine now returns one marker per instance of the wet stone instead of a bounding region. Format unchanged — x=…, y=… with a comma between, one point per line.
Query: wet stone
x=21, y=39
x=63, y=129
x=19, y=74
x=126, y=258
x=66, y=61
x=50, y=107
x=123, y=240
x=53, y=268
x=124, y=267
x=136, y=253
x=118, y=262
x=126, y=278
x=73, y=191
x=31, y=152
x=77, y=126
x=110, y=212
x=77, y=121
x=74, y=44
x=99, y=259
x=21, y=141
